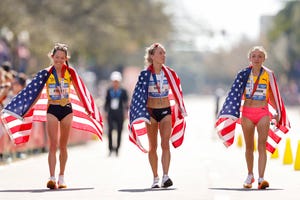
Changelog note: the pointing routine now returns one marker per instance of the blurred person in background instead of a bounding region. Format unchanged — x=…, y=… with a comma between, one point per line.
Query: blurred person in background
x=116, y=108
x=19, y=83
x=157, y=107
x=262, y=103
x=6, y=78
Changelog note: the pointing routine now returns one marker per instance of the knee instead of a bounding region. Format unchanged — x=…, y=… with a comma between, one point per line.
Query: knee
x=261, y=147
x=152, y=149
x=52, y=149
x=63, y=148
x=249, y=149
x=165, y=146
x=52, y=146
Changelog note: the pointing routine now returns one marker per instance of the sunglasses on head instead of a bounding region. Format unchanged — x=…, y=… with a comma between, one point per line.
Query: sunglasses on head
x=60, y=46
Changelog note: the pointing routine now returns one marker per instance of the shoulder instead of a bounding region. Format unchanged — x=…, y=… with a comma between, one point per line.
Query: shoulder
x=109, y=89
x=144, y=73
x=169, y=68
x=71, y=69
x=49, y=69
x=170, y=71
x=244, y=71
x=44, y=72
x=268, y=70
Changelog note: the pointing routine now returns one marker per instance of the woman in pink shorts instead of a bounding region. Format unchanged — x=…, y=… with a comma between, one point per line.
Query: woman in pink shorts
x=256, y=85
x=256, y=114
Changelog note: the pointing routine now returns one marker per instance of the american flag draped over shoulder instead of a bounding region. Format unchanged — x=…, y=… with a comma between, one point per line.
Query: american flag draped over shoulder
x=31, y=105
x=138, y=113
x=230, y=112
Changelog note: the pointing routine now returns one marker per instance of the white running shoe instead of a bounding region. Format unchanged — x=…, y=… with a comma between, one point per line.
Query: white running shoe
x=155, y=182
x=262, y=184
x=61, y=182
x=249, y=180
x=166, y=181
x=51, y=184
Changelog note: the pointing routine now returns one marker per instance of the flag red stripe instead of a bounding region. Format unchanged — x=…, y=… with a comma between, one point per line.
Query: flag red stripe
x=274, y=137
x=19, y=129
x=270, y=148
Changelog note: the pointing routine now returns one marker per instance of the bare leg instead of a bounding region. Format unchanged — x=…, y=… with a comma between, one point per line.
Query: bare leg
x=248, y=131
x=52, y=130
x=152, y=137
x=165, y=133
x=65, y=127
x=263, y=131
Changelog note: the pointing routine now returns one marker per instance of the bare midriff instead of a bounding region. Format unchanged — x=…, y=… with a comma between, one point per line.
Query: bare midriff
x=58, y=102
x=255, y=103
x=158, y=102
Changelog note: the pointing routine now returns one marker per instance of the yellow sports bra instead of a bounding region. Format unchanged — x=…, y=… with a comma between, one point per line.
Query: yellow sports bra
x=58, y=92
x=262, y=91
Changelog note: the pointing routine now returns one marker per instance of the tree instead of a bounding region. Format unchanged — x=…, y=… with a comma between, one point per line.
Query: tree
x=103, y=32
x=285, y=37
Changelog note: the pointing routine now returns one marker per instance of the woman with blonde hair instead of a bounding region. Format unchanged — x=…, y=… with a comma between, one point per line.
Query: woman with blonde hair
x=152, y=111
x=256, y=86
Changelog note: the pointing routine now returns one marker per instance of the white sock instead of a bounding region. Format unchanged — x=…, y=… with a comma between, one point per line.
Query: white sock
x=165, y=177
x=61, y=177
x=260, y=180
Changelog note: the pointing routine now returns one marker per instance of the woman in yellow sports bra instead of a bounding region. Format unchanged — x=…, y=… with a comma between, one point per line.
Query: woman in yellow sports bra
x=49, y=101
x=255, y=114
x=255, y=94
x=59, y=113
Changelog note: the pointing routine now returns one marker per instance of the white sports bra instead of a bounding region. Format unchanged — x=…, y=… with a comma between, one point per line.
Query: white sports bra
x=158, y=86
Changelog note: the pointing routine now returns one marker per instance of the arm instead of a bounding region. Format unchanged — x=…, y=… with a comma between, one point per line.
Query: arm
x=125, y=100
x=107, y=101
x=272, y=102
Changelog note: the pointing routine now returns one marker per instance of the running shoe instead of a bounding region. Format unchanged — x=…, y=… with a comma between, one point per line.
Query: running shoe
x=155, y=182
x=61, y=182
x=51, y=184
x=263, y=185
x=249, y=180
x=166, y=182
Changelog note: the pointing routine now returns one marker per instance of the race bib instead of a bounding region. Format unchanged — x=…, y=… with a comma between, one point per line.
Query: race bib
x=114, y=104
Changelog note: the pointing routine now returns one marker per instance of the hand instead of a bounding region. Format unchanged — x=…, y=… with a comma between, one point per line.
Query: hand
x=275, y=119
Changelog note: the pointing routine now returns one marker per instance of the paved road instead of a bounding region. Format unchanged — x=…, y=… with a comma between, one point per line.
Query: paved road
x=201, y=169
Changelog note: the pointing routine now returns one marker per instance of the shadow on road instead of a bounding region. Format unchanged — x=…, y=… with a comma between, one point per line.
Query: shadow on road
x=244, y=189
x=146, y=190
x=46, y=190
